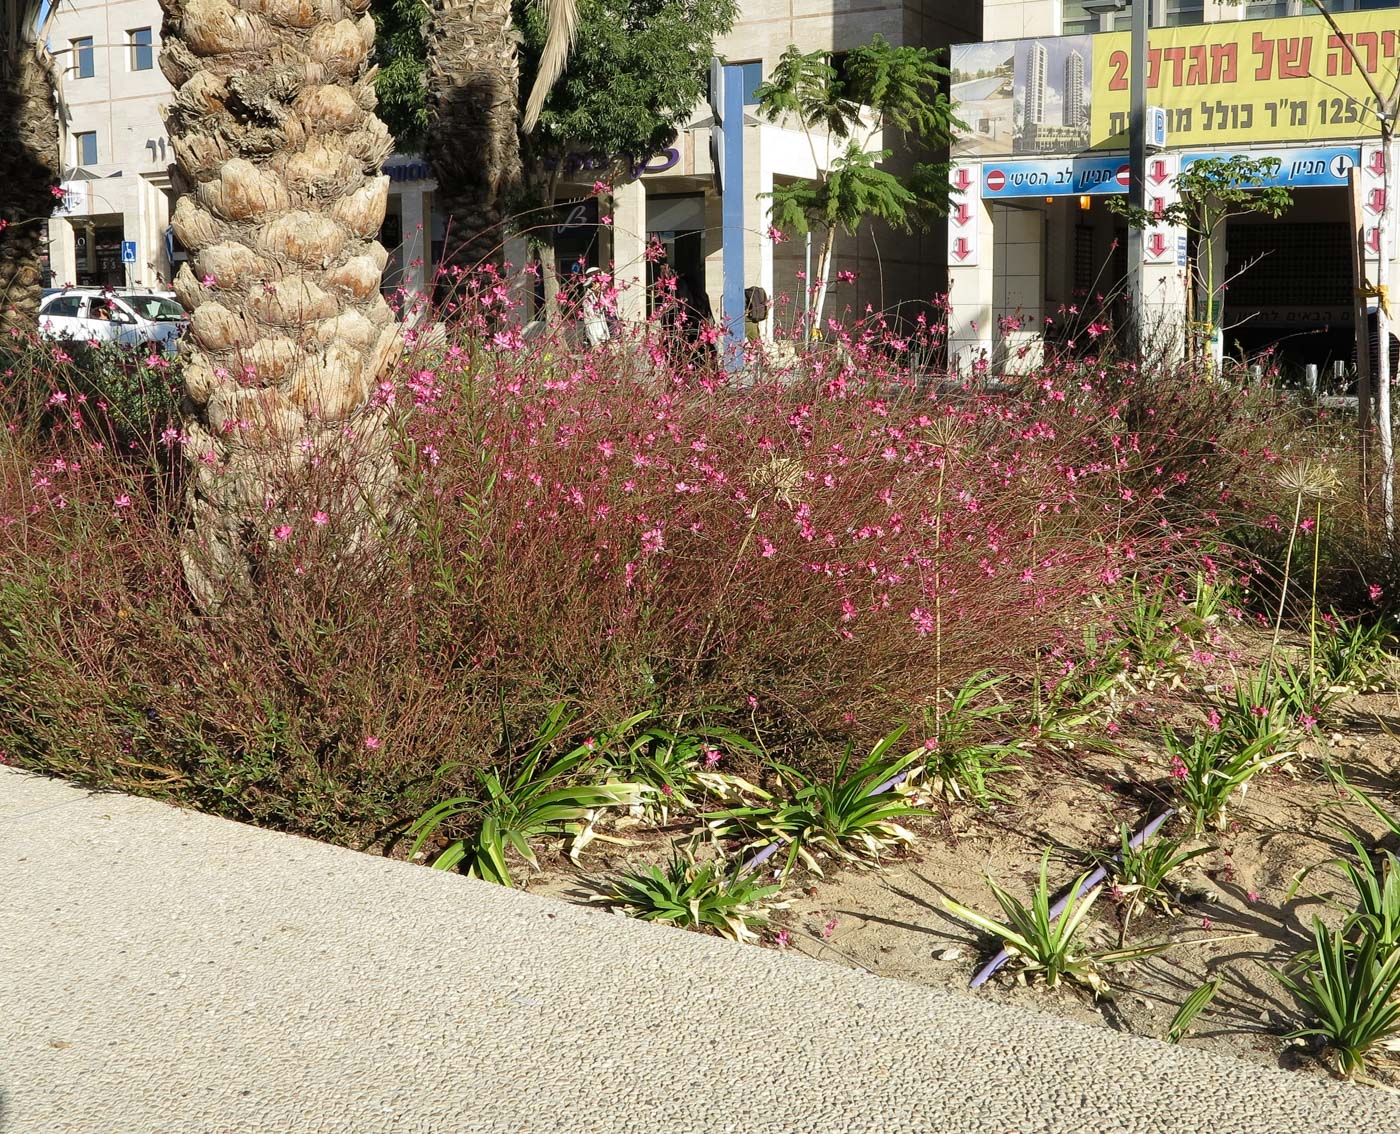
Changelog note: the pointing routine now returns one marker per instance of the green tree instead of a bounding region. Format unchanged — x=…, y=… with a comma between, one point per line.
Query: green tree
x=400, y=53
x=880, y=90
x=1210, y=192
x=637, y=72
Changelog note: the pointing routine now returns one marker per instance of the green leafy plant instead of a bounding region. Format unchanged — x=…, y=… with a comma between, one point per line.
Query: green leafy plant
x=1190, y=1008
x=1046, y=946
x=669, y=761
x=535, y=797
x=838, y=816
x=959, y=758
x=1353, y=655
x=1211, y=597
x=1375, y=882
x=1140, y=874
x=1261, y=706
x=1210, y=768
x=1349, y=992
x=693, y=896
x=1145, y=626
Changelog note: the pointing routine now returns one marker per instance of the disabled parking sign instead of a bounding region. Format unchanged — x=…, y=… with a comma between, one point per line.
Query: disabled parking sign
x=128, y=251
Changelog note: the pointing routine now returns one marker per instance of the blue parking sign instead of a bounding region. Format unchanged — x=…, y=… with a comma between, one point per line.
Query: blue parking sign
x=128, y=251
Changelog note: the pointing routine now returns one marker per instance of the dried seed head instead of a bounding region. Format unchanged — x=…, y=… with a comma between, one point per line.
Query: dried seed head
x=780, y=476
x=947, y=433
x=1311, y=479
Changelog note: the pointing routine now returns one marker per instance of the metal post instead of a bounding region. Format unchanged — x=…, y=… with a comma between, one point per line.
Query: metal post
x=1137, y=168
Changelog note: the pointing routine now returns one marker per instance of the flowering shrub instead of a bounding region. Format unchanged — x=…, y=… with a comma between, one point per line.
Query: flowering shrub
x=818, y=544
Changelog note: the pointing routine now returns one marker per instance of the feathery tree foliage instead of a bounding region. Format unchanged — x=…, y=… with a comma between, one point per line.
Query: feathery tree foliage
x=880, y=87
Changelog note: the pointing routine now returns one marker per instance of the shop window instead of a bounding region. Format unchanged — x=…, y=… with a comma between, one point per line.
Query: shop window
x=84, y=58
x=142, y=49
x=85, y=148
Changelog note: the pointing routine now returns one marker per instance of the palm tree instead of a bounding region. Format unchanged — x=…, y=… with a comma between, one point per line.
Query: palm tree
x=281, y=198
x=29, y=158
x=473, y=76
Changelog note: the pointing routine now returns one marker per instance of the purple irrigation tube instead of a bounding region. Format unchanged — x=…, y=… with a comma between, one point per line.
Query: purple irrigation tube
x=760, y=857
x=1058, y=908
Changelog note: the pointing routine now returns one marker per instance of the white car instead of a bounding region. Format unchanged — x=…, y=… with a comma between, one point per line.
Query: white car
x=132, y=318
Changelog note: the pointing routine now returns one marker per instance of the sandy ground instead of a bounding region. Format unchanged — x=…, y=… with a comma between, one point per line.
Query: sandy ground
x=891, y=921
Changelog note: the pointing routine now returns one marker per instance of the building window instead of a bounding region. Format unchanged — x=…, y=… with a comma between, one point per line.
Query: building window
x=1180, y=13
x=84, y=60
x=752, y=76
x=142, y=52
x=85, y=148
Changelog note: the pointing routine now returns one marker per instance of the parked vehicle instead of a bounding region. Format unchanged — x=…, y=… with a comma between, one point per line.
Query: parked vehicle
x=131, y=318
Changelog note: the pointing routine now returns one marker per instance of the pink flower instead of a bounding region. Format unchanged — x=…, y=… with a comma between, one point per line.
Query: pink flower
x=652, y=541
x=782, y=939
x=208, y=280
x=828, y=929
x=122, y=501
x=320, y=519
x=1206, y=923
x=1375, y=593
x=1251, y=895
x=712, y=757
x=1178, y=768
x=281, y=532
x=372, y=743
x=776, y=235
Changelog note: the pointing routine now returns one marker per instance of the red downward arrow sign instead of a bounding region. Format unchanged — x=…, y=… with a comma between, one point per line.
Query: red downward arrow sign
x=1157, y=244
x=1377, y=163
x=1375, y=201
x=960, y=249
x=961, y=215
x=1373, y=239
x=1157, y=171
x=961, y=180
x=1158, y=205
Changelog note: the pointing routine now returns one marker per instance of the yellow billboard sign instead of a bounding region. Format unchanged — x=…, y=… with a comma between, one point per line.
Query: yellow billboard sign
x=1265, y=81
x=1253, y=81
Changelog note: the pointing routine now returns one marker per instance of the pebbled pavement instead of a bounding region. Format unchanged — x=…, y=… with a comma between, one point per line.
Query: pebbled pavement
x=164, y=972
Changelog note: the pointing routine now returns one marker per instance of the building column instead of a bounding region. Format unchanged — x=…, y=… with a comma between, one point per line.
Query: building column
x=758, y=184
x=63, y=260
x=629, y=235
x=414, y=235
x=970, y=290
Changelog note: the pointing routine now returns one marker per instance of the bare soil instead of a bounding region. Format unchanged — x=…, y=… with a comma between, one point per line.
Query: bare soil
x=1236, y=921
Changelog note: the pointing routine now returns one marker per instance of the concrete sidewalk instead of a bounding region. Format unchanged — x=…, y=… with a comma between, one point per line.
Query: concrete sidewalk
x=163, y=972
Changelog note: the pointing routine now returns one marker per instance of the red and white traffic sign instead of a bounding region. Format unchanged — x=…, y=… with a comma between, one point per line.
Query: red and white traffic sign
x=996, y=181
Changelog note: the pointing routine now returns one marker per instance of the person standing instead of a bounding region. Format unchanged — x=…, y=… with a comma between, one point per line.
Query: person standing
x=593, y=308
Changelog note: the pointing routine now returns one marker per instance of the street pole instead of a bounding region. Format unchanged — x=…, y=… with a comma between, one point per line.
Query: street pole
x=1137, y=171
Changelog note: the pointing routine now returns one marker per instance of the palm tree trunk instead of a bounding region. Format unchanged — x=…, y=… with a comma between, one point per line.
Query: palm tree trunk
x=278, y=155
x=30, y=159
x=473, y=82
